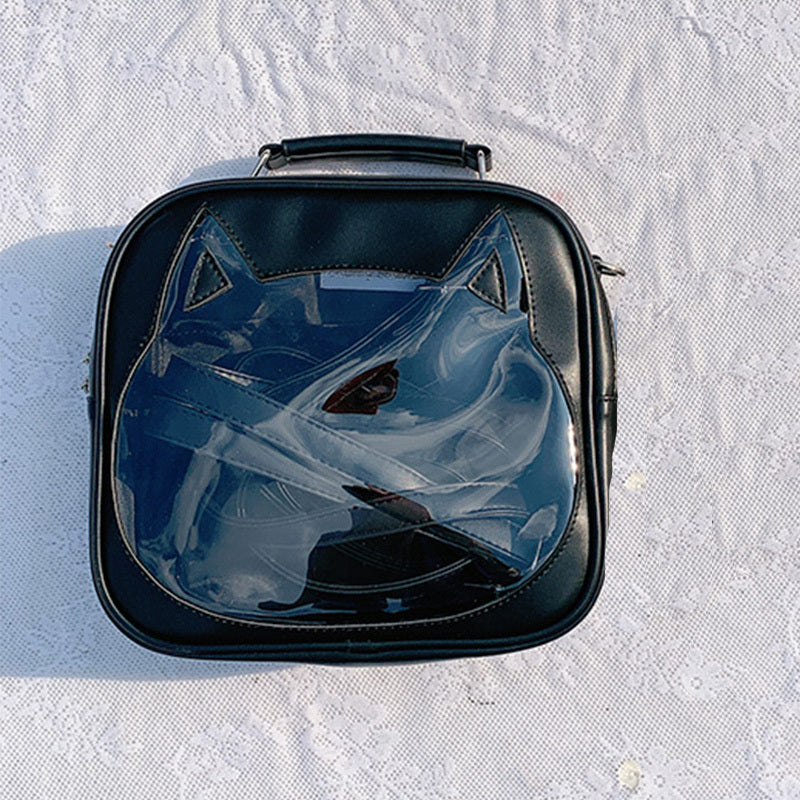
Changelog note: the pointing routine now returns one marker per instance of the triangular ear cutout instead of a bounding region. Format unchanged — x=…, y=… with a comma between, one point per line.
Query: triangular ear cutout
x=489, y=284
x=489, y=264
x=207, y=282
x=208, y=264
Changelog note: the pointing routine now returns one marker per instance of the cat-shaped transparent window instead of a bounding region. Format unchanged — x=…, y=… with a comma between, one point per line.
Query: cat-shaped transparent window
x=343, y=446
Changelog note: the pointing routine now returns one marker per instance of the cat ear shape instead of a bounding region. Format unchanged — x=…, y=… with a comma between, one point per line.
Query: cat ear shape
x=209, y=263
x=208, y=280
x=489, y=264
x=489, y=282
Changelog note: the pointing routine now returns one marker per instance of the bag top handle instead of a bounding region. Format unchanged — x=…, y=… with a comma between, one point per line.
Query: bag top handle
x=394, y=147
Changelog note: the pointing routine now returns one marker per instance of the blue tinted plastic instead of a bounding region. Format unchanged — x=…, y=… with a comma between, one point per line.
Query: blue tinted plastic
x=343, y=444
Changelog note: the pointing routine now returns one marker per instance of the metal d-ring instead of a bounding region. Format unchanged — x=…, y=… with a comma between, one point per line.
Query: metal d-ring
x=481, y=165
x=262, y=162
x=608, y=269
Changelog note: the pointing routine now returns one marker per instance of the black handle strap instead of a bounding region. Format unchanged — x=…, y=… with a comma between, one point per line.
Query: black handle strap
x=395, y=147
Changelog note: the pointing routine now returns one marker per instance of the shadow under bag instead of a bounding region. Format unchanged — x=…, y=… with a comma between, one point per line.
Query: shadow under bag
x=351, y=419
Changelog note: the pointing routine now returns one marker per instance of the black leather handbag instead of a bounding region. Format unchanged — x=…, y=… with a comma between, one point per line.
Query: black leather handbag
x=351, y=418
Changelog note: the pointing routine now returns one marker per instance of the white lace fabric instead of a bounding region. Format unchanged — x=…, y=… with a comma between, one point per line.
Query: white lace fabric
x=668, y=131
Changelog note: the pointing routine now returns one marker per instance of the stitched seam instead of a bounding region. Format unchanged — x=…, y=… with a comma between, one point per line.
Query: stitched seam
x=501, y=278
x=528, y=278
x=492, y=605
x=322, y=267
x=183, y=604
x=193, y=282
x=151, y=330
x=493, y=300
x=498, y=302
x=468, y=241
x=271, y=625
x=266, y=276
x=231, y=235
x=222, y=289
x=223, y=285
x=299, y=270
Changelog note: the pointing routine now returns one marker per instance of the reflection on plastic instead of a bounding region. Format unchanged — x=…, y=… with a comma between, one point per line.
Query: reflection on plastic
x=291, y=452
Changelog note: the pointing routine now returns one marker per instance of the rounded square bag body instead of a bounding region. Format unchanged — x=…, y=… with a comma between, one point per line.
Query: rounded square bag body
x=351, y=419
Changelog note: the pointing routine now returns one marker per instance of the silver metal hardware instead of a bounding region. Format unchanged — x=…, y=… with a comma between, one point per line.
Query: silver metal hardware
x=262, y=162
x=481, y=165
x=608, y=269
x=87, y=384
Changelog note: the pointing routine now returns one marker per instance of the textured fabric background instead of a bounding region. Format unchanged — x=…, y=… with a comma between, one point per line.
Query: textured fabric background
x=669, y=131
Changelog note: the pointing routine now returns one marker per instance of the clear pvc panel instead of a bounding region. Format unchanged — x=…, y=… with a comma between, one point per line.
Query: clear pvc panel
x=342, y=446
